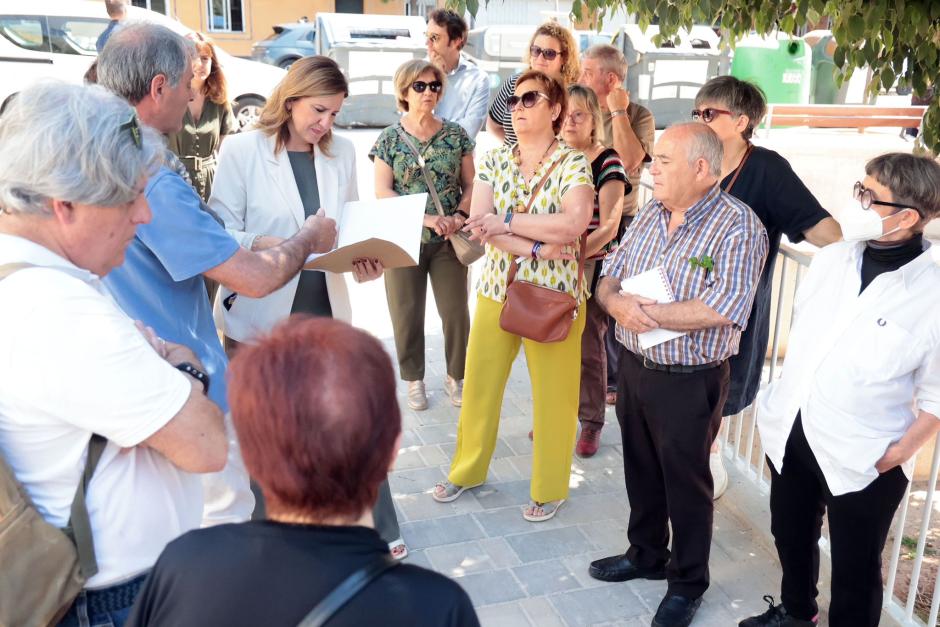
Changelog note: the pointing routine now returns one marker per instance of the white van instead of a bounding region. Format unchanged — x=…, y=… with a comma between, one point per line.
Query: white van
x=56, y=39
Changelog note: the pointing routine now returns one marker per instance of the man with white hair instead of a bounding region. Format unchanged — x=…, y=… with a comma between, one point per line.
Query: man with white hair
x=77, y=378
x=161, y=281
x=707, y=249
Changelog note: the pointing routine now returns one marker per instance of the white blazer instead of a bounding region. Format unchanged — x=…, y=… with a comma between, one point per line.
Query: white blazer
x=254, y=192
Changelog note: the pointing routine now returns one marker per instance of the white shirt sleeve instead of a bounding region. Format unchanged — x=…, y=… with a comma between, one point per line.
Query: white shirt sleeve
x=80, y=359
x=927, y=383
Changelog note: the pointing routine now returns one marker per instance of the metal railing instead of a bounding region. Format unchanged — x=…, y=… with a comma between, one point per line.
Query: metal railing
x=742, y=448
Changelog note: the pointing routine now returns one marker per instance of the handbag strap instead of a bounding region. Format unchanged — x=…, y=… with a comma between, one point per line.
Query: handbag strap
x=346, y=590
x=737, y=171
x=424, y=169
x=514, y=266
x=79, y=526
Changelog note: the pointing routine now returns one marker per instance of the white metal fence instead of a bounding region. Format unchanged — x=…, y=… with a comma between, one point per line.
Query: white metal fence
x=917, y=582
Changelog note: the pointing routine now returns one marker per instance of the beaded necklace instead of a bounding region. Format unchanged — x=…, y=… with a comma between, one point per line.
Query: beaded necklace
x=517, y=159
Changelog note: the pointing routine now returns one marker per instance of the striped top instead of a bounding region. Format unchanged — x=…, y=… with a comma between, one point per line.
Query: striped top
x=718, y=226
x=499, y=110
x=605, y=168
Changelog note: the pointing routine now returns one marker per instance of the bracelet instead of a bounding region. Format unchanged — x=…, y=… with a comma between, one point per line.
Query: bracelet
x=196, y=374
x=614, y=114
x=536, y=247
x=464, y=214
x=508, y=221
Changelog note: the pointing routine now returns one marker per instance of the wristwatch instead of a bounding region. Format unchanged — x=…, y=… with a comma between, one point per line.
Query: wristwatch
x=508, y=221
x=196, y=374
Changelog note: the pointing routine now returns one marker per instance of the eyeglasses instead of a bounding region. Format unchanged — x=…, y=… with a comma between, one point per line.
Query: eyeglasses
x=867, y=199
x=547, y=53
x=708, y=114
x=420, y=86
x=577, y=117
x=527, y=99
x=433, y=38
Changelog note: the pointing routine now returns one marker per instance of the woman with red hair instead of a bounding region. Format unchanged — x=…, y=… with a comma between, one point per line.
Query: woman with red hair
x=314, y=406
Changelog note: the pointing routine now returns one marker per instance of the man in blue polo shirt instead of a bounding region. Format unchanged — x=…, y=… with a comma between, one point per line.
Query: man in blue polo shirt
x=161, y=281
x=467, y=94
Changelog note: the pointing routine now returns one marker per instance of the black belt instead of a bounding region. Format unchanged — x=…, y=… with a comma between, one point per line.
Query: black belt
x=114, y=598
x=677, y=368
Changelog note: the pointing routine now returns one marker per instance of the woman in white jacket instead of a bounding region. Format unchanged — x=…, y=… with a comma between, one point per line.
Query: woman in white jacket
x=267, y=182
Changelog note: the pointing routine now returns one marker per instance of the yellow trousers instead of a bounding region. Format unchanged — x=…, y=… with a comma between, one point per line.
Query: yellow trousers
x=555, y=372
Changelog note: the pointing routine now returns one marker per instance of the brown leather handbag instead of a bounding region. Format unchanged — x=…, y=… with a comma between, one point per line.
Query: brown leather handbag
x=537, y=312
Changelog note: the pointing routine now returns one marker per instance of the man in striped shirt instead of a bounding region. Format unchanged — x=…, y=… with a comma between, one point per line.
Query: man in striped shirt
x=711, y=248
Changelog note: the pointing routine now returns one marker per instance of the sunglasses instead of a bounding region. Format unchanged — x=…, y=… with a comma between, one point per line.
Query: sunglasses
x=527, y=99
x=708, y=114
x=420, y=86
x=867, y=199
x=547, y=53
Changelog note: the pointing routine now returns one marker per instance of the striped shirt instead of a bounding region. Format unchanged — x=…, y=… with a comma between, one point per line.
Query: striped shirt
x=718, y=226
x=605, y=168
x=499, y=110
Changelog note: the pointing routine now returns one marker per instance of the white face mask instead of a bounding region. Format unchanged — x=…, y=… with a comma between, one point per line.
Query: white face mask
x=862, y=225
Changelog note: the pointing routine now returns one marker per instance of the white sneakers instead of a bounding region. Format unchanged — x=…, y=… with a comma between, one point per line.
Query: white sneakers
x=719, y=474
x=417, y=398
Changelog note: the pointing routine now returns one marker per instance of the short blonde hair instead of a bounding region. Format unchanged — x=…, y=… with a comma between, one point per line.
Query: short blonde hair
x=308, y=77
x=585, y=96
x=409, y=73
x=571, y=61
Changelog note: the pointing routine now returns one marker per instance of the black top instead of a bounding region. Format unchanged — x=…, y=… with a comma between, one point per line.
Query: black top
x=311, y=296
x=770, y=187
x=879, y=257
x=272, y=574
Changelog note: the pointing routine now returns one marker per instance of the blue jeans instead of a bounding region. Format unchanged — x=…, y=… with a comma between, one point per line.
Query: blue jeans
x=108, y=607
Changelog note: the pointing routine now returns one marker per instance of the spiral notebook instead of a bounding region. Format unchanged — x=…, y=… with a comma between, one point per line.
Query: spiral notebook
x=652, y=284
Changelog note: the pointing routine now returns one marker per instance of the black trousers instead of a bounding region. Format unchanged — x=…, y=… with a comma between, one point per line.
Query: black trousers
x=858, y=529
x=668, y=423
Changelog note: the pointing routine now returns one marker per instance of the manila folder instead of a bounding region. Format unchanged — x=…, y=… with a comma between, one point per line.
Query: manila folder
x=388, y=229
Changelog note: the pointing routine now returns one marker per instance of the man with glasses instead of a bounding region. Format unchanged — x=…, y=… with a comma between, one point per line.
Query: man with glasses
x=468, y=87
x=629, y=128
x=859, y=395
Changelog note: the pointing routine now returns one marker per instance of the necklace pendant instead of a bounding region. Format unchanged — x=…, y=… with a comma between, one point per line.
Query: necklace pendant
x=520, y=208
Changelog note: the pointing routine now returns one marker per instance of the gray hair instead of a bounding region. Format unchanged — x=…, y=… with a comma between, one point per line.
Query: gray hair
x=701, y=142
x=739, y=97
x=611, y=59
x=66, y=142
x=139, y=52
x=914, y=180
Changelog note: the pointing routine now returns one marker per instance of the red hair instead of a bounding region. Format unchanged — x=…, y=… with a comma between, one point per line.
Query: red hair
x=314, y=406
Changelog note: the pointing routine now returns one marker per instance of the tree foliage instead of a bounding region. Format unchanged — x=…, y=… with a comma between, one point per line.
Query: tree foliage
x=898, y=39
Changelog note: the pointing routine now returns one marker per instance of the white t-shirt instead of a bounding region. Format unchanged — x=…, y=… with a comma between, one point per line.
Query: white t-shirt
x=72, y=364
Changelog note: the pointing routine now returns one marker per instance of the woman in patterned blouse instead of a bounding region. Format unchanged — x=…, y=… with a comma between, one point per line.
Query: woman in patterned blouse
x=610, y=184
x=542, y=240
x=447, y=154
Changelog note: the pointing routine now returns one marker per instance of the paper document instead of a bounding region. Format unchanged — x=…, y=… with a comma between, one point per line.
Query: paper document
x=652, y=284
x=388, y=230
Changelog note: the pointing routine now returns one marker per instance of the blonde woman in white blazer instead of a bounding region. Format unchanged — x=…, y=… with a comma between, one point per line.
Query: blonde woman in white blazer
x=258, y=195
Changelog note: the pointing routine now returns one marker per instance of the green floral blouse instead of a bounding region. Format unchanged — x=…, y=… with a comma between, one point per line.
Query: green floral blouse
x=442, y=156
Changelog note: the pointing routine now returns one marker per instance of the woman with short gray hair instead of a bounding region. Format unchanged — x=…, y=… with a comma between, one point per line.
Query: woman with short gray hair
x=859, y=396
x=763, y=180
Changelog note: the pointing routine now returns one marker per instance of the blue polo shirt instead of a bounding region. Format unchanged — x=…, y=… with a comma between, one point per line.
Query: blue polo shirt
x=160, y=282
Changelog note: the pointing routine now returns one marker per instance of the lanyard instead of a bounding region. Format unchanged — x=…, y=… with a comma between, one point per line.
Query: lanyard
x=737, y=171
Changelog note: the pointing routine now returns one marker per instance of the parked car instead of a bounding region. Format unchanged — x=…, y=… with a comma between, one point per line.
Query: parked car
x=56, y=39
x=286, y=44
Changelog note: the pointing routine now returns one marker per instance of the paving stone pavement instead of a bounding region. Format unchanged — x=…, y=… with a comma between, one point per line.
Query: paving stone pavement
x=520, y=573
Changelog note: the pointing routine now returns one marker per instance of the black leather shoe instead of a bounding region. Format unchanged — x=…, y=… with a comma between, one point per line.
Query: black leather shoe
x=619, y=568
x=775, y=616
x=675, y=611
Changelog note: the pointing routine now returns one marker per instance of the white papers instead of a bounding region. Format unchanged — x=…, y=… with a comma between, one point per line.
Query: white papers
x=652, y=284
x=388, y=230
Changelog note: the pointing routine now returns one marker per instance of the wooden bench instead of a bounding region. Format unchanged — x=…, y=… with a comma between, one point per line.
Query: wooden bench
x=843, y=116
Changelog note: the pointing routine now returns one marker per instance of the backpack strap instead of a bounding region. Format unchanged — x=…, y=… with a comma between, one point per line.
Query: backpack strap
x=79, y=527
x=346, y=590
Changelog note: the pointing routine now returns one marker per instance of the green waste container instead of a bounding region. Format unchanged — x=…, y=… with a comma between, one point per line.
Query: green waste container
x=783, y=69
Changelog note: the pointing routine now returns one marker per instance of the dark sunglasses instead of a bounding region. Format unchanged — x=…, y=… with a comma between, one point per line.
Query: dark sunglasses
x=527, y=99
x=867, y=198
x=547, y=53
x=420, y=86
x=708, y=114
